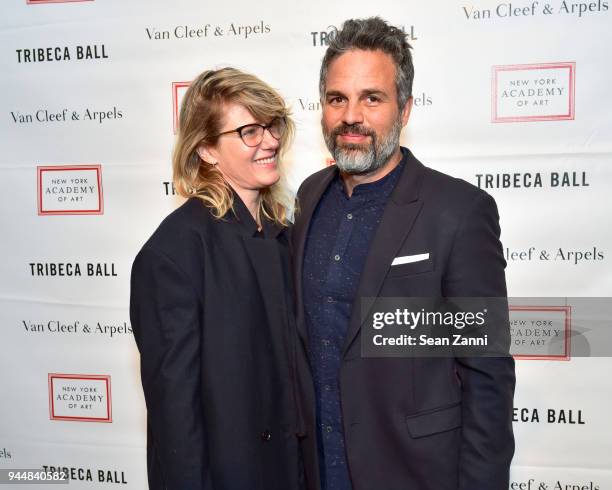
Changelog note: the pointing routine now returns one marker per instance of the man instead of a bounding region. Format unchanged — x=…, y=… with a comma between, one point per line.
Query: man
x=391, y=423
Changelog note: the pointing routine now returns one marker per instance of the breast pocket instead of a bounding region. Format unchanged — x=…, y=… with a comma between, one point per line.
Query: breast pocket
x=418, y=267
x=434, y=421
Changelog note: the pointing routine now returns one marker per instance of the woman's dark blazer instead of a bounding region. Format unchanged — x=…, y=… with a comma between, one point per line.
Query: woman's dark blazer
x=211, y=313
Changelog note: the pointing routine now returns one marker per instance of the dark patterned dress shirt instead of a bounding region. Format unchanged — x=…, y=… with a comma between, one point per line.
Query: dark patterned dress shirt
x=338, y=242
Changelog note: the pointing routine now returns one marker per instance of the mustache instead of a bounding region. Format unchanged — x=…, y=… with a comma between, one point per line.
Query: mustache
x=352, y=129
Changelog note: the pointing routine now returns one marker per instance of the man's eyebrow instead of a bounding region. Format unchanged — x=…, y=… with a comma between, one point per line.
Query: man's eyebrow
x=363, y=93
x=373, y=91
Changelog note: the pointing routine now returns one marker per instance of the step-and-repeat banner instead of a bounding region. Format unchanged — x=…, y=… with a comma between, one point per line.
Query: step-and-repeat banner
x=513, y=97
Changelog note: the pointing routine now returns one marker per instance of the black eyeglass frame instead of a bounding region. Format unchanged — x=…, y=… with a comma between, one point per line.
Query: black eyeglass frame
x=263, y=126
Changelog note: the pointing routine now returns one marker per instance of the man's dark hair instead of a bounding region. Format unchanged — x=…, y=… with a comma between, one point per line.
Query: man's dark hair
x=373, y=34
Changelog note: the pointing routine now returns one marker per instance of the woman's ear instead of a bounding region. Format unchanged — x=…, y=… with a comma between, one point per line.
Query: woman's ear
x=207, y=154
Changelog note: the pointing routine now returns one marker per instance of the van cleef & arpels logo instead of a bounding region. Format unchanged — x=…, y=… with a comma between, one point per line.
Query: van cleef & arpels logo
x=533, y=8
x=207, y=31
x=66, y=115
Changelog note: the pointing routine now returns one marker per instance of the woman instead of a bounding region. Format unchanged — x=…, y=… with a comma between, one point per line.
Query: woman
x=209, y=303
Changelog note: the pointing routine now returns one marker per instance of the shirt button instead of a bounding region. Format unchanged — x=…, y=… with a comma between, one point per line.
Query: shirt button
x=325, y=342
x=266, y=435
x=329, y=428
x=349, y=216
x=327, y=387
x=336, y=257
x=330, y=299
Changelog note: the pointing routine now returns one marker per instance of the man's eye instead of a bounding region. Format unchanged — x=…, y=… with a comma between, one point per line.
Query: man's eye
x=335, y=100
x=372, y=99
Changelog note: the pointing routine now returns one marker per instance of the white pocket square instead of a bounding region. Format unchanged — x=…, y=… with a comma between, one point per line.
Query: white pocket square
x=407, y=259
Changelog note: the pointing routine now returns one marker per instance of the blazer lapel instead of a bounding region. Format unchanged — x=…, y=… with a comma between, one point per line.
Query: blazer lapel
x=307, y=205
x=398, y=218
x=265, y=259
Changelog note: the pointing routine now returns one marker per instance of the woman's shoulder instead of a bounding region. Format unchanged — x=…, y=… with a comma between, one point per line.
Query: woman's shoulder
x=183, y=227
x=193, y=212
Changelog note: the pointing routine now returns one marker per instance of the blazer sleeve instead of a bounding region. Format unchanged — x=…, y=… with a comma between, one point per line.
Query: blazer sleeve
x=165, y=316
x=476, y=269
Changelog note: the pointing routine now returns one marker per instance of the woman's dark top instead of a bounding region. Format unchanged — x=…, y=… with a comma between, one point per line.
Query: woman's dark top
x=211, y=311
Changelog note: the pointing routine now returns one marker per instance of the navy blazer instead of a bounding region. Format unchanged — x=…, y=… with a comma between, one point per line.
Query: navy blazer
x=212, y=318
x=417, y=423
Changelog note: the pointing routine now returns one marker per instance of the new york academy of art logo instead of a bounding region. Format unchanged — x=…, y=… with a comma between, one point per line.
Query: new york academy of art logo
x=69, y=189
x=80, y=397
x=535, y=92
x=540, y=332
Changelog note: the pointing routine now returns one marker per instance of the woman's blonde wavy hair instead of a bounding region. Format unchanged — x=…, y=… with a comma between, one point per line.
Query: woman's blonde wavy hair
x=200, y=123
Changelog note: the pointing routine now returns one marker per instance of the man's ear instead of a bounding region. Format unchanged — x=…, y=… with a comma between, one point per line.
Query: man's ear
x=207, y=154
x=406, y=110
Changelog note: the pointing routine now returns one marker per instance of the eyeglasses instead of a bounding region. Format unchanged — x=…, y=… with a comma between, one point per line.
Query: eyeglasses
x=252, y=134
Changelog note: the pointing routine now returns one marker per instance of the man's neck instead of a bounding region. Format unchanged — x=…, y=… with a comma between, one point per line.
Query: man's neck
x=353, y=180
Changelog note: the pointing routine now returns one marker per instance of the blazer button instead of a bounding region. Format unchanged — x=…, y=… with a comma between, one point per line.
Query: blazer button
x=266, y=435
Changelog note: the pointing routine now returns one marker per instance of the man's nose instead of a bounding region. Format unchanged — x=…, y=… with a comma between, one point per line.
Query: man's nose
x=353, y=113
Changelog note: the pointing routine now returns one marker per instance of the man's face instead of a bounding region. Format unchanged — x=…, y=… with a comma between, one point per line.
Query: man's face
x=361, y=118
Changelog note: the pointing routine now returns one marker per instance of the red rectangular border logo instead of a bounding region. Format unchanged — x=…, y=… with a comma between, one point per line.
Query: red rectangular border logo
x=571, y=66
x=175, y=107
x=98, y=377
x=58, y=168
x=567, y=324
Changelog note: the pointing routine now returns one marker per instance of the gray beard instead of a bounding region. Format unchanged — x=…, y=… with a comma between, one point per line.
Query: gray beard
x=357, y=159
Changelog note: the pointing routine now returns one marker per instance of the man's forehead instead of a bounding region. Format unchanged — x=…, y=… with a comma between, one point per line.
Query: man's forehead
x=361, y=67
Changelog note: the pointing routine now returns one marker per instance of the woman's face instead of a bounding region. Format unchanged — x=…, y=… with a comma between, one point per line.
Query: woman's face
x=246, y=169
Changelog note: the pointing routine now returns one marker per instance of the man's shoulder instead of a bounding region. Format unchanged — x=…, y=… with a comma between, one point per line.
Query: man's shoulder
x=450, y=192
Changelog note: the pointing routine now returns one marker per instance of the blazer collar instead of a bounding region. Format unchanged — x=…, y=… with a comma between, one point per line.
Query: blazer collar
x=398, y=219
x=409, y=184
x=248, y=227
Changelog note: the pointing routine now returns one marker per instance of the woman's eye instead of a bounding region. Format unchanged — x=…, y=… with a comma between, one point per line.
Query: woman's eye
x=250, y=131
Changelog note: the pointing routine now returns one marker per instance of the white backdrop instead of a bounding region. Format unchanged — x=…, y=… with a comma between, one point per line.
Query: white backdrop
x=512, y=97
